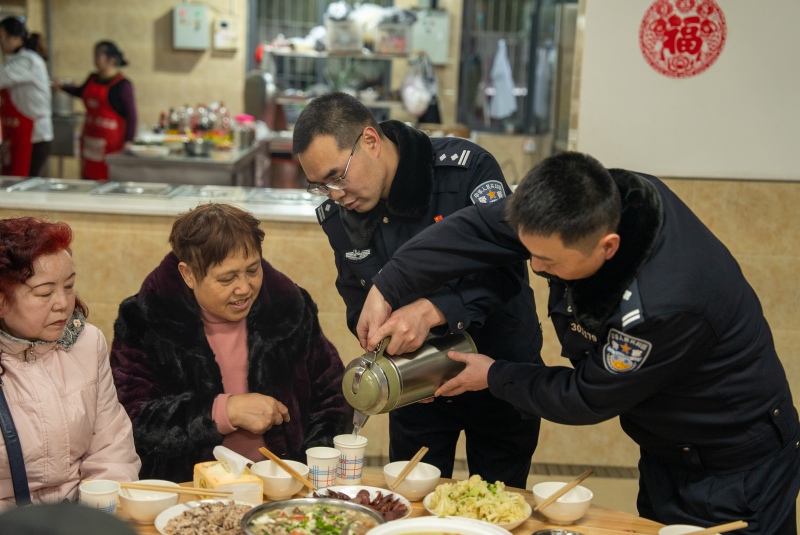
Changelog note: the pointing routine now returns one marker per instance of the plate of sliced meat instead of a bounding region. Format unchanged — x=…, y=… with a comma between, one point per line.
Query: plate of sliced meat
x=390, y=504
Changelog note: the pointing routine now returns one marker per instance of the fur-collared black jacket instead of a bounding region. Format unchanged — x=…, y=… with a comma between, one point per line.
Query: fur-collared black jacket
x=167, y=378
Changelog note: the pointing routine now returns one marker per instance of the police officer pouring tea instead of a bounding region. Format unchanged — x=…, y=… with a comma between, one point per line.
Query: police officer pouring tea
x=385, y=183
x=660, y=325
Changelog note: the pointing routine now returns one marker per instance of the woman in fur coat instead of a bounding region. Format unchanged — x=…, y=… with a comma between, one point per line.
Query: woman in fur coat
x=220, y=348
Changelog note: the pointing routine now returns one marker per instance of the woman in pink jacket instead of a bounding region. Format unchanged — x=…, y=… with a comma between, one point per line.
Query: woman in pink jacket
x=57, y=390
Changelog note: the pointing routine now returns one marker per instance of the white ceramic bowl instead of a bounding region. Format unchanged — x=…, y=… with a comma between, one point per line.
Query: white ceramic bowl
x=438, y=524
x=421, y=481
x=279, y=485
x=568, y=508
x=143, y=506
x=678, y=529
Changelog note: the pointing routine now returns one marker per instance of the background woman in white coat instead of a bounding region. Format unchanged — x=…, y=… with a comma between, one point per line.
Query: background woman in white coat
x=25, y=103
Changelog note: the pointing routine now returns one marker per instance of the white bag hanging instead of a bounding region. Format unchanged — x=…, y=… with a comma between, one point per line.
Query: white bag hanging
x=503, y=103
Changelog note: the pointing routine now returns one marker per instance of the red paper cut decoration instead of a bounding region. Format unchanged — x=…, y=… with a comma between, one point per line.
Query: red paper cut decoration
x=681, y=38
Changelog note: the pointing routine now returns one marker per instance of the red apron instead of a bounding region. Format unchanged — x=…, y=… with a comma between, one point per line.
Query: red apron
x=103, y=129
x=17, y=138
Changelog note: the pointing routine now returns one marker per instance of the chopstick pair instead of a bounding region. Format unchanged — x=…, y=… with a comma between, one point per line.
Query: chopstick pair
x=409, y=467
x=722, y=528
x=288, y=469
x=563, y=490
x=177, y=490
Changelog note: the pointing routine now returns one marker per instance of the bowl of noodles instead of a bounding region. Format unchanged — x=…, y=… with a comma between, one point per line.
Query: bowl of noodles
x=479, y=500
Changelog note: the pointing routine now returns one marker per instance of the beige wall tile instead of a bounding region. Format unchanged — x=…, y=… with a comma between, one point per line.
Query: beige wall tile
x=162, y=77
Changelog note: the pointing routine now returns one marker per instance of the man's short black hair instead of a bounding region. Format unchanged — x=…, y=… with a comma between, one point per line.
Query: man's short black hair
x=568, y=195
x=339, y=115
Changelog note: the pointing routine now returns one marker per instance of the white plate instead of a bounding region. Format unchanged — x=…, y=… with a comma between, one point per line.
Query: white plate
x=168, y=514
x=438, y=524
x=508, y=525
x=352, y=490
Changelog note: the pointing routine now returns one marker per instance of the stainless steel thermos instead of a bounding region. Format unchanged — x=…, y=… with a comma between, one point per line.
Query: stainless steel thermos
x=376, y=383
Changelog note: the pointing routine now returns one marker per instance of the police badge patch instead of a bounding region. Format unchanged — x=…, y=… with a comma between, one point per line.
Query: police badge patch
x=356, y=255
x=624, y=353
x=488, y=192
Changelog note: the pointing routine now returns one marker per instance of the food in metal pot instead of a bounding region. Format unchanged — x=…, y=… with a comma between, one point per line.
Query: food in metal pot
x=311, y=520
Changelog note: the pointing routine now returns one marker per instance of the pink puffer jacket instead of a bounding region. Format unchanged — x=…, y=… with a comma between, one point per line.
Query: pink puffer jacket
x=65, y=409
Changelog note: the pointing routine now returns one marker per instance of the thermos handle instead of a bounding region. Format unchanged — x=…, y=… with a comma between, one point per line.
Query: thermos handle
x=367, y=364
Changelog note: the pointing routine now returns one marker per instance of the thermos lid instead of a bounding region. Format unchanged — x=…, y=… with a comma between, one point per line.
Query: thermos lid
x=369, y=389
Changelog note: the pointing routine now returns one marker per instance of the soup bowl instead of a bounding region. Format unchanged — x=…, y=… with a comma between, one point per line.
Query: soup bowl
x=278, y=484
x=421, y=481
x=143, y=506
x=568, y=508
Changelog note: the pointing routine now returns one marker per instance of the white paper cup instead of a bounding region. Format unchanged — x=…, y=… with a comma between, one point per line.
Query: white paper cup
x=322, y=463
x=351, y=461
x=100, y=494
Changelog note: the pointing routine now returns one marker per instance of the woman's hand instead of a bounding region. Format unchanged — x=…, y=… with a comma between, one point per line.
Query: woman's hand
x=256, y=412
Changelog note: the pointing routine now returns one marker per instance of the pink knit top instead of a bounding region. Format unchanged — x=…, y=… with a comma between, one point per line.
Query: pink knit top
x=228, y=341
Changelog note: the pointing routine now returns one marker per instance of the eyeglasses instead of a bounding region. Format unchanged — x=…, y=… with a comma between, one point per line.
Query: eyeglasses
x=337, y=184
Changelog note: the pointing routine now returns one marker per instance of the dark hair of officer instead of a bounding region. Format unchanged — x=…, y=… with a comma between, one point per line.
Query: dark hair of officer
x=208, y=234
x=112, y=51
x=337, y=114
x=570, y=195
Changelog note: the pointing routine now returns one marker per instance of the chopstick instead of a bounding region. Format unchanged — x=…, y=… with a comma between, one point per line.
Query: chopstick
x=722, y=528
x=563, y=490
x=180, y=490
x=177, y=490
x=409, y=467
x=291, y=471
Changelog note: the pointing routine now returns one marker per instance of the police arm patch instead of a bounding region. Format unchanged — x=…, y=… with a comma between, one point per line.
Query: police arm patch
x=487, y=192
x=624, y=353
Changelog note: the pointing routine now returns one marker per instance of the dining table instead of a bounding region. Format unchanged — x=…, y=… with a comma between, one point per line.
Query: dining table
x=597, y=521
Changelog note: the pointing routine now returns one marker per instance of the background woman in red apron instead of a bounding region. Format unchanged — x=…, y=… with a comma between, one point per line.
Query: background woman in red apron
x=110, y=110
x=25, y=104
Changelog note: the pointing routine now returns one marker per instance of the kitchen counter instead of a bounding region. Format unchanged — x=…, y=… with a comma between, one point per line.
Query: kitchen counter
x=151, y=198
x=232, y=168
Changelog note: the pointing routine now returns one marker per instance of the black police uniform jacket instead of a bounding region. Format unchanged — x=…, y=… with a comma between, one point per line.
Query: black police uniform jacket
x=668, y=334
x=435, y=178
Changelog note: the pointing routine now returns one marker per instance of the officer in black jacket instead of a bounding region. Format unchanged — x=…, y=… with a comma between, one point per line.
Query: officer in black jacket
x=659, y=323
x=385, y=184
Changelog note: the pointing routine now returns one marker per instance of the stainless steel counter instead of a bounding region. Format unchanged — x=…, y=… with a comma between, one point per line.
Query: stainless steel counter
x=152, y=198
x=234, y=168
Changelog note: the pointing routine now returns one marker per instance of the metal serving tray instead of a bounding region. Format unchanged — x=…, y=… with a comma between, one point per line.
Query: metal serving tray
x=6, y=183
x=281, y=195
x=215, y=193
x=56, y=185
x=137, y=189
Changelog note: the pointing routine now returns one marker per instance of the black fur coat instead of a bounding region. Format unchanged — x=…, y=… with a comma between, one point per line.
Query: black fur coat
x=167, y=378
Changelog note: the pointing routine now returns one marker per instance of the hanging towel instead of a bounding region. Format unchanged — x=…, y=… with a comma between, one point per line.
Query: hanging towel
x=503, y=103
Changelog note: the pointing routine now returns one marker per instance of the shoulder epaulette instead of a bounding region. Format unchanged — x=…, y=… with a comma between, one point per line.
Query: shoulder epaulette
x=326, y=210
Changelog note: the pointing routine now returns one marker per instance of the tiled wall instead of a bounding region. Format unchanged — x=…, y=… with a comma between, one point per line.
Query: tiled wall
x=162, y=76
x=758, y=221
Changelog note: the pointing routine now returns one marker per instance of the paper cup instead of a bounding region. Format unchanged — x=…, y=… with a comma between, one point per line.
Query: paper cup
x=351, y=461
x=322, y=463
x=100, y=494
